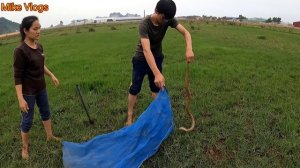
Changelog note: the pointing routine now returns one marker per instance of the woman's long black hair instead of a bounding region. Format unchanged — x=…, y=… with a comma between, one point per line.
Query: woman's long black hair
x=26, y=24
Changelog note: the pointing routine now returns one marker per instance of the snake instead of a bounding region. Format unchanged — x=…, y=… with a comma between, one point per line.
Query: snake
x=188, y=100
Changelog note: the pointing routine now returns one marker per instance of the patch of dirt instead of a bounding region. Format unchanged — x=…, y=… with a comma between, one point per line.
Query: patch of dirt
x=215, y=154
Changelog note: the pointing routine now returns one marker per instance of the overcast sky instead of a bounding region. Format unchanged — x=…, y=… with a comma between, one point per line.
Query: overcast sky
x=59, y=10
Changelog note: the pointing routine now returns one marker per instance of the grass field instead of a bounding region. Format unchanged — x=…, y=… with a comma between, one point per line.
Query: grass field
x=245, y=83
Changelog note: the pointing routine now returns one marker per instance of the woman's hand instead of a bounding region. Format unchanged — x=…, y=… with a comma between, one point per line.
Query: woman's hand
x=23, y=105
x=55, y=80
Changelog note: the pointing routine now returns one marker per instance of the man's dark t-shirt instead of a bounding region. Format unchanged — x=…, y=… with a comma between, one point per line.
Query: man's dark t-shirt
x=155, y=34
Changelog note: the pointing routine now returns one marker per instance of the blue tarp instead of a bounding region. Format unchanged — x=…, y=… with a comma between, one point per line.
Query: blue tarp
x=127, y=147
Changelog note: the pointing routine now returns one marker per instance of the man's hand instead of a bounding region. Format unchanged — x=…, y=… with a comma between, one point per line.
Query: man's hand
x=159, y=80
x=189, y=54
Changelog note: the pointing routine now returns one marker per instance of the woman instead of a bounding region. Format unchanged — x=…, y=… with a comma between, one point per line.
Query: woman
x=29, y=70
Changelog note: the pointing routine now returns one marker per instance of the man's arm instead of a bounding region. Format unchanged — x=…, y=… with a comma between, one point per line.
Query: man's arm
x=189, y=54
x=159, y=78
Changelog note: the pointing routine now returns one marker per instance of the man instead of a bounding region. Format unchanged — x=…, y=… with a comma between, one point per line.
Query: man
x=149, y=57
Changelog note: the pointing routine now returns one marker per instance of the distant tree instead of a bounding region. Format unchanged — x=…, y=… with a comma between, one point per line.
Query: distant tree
x=276, y=20
x=115, y=14
x=269, y=20
x=241, y=18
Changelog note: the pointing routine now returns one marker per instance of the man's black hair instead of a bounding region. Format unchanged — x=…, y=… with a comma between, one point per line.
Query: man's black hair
x=166, y=7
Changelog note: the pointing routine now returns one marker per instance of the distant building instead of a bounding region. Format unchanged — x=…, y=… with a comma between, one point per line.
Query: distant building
x=99, y=20
x=296, y=24
x=122, y=19
x=256, y=20
x=104, y=19
x=231, y=19
x=115, y=19
x=82, y=21
x=118, y=14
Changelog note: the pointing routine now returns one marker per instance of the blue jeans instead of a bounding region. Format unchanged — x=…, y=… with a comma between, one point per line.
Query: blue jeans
x=140, y=69
x=41, y=99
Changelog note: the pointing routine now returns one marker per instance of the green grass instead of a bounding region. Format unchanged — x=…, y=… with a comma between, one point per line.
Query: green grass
x=244, y=82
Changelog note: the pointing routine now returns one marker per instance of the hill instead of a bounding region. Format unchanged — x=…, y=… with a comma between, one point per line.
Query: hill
x=7, y=26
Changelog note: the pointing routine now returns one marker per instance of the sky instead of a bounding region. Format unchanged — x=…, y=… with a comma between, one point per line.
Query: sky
x=66, y=11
